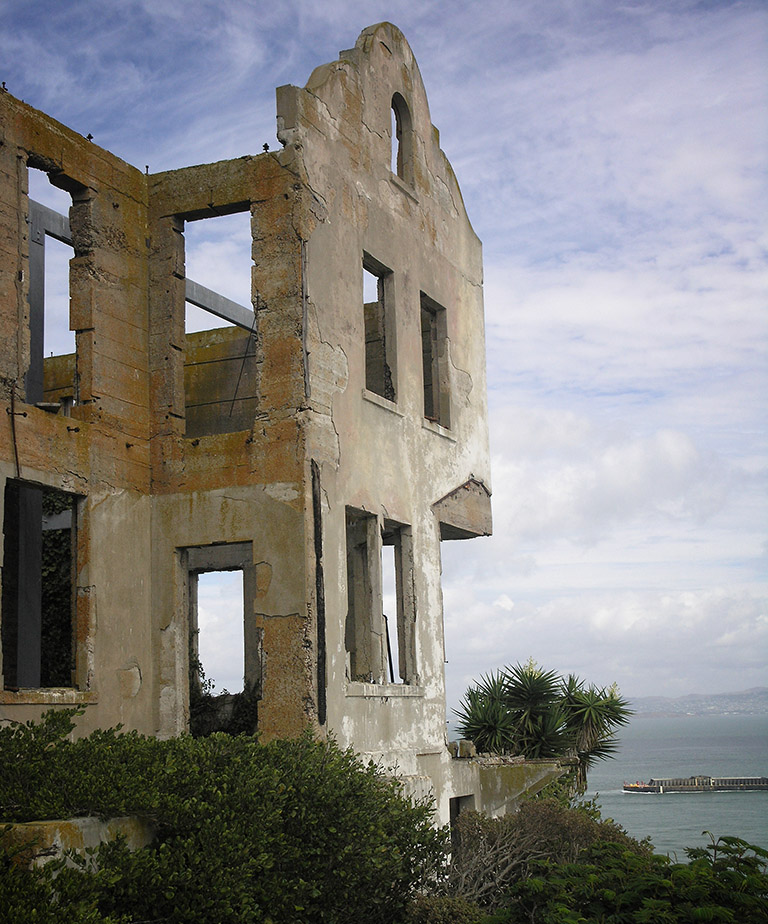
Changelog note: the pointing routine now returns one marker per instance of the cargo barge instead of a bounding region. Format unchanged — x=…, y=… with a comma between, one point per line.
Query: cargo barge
x=701, y=784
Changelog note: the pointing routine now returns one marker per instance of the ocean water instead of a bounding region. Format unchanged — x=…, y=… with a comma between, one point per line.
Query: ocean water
x=717, y=745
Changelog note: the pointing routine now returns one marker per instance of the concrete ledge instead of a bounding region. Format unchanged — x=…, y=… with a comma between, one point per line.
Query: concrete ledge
x=383, y=690
x=434, y=427
x=49, y=696
x=43, y=841
x=382, y=402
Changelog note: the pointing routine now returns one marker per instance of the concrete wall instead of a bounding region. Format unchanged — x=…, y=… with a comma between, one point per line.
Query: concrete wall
x=99, y=451
x=362, y=418
x=375, y=454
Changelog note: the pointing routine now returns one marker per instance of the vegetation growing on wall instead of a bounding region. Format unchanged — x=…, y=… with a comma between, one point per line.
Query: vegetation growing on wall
x=209, y=712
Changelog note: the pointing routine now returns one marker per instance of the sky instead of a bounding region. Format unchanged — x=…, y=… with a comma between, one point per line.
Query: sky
x=612, y=157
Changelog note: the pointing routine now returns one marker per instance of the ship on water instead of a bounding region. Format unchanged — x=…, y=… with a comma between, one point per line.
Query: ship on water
x=700, y=784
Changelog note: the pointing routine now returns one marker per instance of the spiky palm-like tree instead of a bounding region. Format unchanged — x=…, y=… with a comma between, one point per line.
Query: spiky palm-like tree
x=485, y=717
x=592, y=717
x=533, y=713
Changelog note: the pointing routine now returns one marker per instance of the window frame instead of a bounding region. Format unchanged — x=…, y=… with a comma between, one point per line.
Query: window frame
x=24, y=670
x=366, y=643
x=435, y=365
x=379, y=332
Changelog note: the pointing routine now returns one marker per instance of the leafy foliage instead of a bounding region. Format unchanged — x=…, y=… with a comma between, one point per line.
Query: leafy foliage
x=725, y=883
x=292, y=831
x=492, y=855
x=443, y=909
x=527, y=711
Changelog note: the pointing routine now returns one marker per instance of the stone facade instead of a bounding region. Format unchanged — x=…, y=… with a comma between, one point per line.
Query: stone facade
x=325, y=425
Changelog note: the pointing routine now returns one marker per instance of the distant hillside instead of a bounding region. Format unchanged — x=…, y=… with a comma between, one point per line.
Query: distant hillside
x=748, y=702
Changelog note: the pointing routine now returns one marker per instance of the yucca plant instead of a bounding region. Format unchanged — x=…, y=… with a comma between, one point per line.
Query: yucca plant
x=527, y=711
x=485, y=718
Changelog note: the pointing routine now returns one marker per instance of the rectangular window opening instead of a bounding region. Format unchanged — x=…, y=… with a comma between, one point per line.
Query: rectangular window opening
x=380, y=623
x=219, y=638
x=456, y=806
x=38, y=597
x=221, y=357
x=224, y=643
x=392, y=621
x=217, y=255
x=363, y=636
x=434, y=352
x=51, y=376
x=379, y=324
x=399, y=601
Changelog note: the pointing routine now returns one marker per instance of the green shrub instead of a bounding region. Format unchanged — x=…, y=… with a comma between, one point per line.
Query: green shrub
x=443, y=909
x=725, y=883
x=291, y=831
x=492, y=855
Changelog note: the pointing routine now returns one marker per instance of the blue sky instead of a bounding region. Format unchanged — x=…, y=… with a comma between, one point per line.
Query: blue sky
x=612, y=157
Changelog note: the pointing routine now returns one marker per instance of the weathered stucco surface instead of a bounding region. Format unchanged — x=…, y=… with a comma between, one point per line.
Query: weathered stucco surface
x=360, y=420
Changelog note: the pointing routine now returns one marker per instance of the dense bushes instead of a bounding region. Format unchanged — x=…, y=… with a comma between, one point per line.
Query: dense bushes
x=554, y=864
x=492, y=855
x=291, y=831
x=300, y=831
x=724, y=883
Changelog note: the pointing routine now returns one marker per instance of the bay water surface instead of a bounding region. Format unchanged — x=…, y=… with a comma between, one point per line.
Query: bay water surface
x=687, y=745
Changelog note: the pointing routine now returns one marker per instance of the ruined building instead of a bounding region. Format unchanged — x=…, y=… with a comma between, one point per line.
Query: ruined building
x=322, y=426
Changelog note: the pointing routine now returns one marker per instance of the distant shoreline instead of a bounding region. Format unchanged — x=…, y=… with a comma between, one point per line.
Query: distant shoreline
x=746, y=702
x=693, y=715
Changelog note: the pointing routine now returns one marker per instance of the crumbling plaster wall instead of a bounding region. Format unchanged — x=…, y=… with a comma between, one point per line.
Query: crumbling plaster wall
x=377, y=455
x=319, y=441
x=247, y=485
x=149, y=490
x=99, y=452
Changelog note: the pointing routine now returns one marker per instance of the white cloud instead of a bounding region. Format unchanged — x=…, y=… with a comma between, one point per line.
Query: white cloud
x=612, y=159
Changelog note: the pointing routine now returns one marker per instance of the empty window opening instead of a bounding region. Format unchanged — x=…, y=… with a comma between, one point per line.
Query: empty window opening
x=58, y=339
x=379, y=323
x=50, y=252
x=43, y=191
x=391, y=622
x=220, y=631
x=380, y=624
x=402, y=139
x=224, y=644
x=221, y=359
x=364, y=630
x=456, y=806
x=434, y=352
x=398, y=602
x=38, y=602
x=218, y=257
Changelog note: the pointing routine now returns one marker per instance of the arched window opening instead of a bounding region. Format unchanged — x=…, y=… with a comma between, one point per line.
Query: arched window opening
x=402, y=139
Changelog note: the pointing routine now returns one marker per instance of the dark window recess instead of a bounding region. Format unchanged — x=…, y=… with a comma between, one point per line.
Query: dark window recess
x=379, y=329
x=363, y=643
x=434, y=362
x=37, y=586
x=456, y=806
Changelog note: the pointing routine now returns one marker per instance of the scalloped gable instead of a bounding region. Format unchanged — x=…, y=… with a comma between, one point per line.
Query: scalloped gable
x=350, y=100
